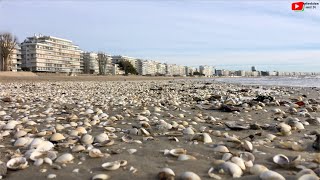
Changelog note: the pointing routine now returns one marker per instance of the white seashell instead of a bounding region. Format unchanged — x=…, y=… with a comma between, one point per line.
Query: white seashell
x=305, y=172
x=81, y=130
x=257, y=169
x=226, y=156
x=281, y=159
x=270, y=175
x=132, y=151
x=271, y=137
x=284, y=128
x=73, y=133
x=247, y=156
x=100, y=177
x=110, y=129
x=65, y=158
x=247, y=145
x=87, y=139
x=212, y=174
x=22, y=142
x=176, y=152
x=238, y=161
x=189, y=176
x=57, y=137
x=89, y=111
x=95, y=153
x=51, y=176
x=36, y=155
x=143, y=132
x=17, y=163
x=111, y=165
x=78, y=148
x=20, y=133
x=309, y=177
x=232, y=168
x=221, y=149
x=184, y=157
x=44, y=146
x=204, y=137
x=101, y=138
x=48, y=161
x=188, y=130
x=38, y=162
x=166, y=173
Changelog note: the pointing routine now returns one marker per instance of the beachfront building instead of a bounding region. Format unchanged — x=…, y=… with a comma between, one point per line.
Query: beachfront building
x=105, y=65
x=50, y=54
x=161, y=69
x=240, y=73
x=206, y=70
x=81, y=62
x=90, y=62
x=147, y=67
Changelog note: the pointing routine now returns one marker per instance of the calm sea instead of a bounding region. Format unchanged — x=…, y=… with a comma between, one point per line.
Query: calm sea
x=306, y=81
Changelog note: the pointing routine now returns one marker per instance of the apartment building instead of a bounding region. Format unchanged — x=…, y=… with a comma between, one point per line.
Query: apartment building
x=146, y=67
x=161, y=69
x=50, y=54
x=206, y=70
x=105, y=65
x=90, y=63
x=14, y=59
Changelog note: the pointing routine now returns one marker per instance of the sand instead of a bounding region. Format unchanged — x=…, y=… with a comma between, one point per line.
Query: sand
x=148, y=159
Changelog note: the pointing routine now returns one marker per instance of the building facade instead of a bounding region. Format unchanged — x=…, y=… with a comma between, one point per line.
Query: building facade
x=90, y=63
x=206, y=70
x=50, y=54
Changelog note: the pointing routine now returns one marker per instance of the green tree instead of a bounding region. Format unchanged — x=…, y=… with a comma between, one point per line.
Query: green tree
x=127, y=67
x=197, y=74
x=7, y=44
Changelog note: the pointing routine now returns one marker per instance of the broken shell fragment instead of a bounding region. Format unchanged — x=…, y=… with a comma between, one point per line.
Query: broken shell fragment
x=17, y=163
x=100, y=177
x=110, y=166
x=281, y=159
x=203, y=137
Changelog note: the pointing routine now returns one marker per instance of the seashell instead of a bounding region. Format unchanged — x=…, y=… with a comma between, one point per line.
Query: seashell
x=212, y=174
x=188, y=131
x=189, y=176
x=59, y=127
x=281, y=159
x=44, y=146
x=143, y=132
x=51, y=176
x=36, y=155
x=87, y=139
x=247, y=156
x=20, y=133
x=166, y=174
x=226, y=156
x=17, y=163
x=257, y=169
x=304, y=172
x=81, y=130
x=78, y=148
x=47, y=160
x=127, y=139
x=110, y=129
x=271, y=137
x=89, y=111
x=247, y=145
x=38, y=162
x=221, y=149
x=65, y=158
x=268, y=175
x=101, y=138
x=57, y=137
x=203, y=137
x=123, y=162
x=238, y=161
x=132, y=151
x=111, y=165
x=174, y=133
x=107, y=143
x=100, y=177
x=309, y=177
x=178, y=151
x=284, y=128
x=184, y=157
x=95, y=153
x=22, y=142
x=233, y=169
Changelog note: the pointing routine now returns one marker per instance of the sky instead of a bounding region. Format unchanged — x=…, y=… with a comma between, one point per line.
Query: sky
x=230, y=34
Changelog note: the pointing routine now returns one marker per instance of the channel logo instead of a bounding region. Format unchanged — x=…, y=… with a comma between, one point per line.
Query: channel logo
x=297, y=6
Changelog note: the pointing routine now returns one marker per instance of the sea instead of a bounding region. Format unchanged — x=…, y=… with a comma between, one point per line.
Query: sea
x=299, y=81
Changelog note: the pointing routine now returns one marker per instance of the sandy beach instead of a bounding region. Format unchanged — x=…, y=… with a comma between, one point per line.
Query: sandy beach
x=144, y=124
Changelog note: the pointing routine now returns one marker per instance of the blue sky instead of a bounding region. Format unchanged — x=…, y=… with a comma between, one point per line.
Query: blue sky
x=232, y=34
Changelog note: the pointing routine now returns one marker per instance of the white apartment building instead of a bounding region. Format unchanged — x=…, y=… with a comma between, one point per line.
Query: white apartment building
x=105, y=63
x=206, y=70
x=161, y=69
x=90, y=62
x=50, y=54
x=15, y=59
x=146, y=67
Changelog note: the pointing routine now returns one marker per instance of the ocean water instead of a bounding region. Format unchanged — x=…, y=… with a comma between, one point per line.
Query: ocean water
x=304, y=81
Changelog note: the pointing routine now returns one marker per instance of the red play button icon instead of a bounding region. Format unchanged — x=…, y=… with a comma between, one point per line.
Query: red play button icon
x=297, y=6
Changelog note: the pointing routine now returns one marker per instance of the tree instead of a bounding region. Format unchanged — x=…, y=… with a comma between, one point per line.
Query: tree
x=127, y=67
x=7, y=44
x=197, y=74
x=102, y=61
